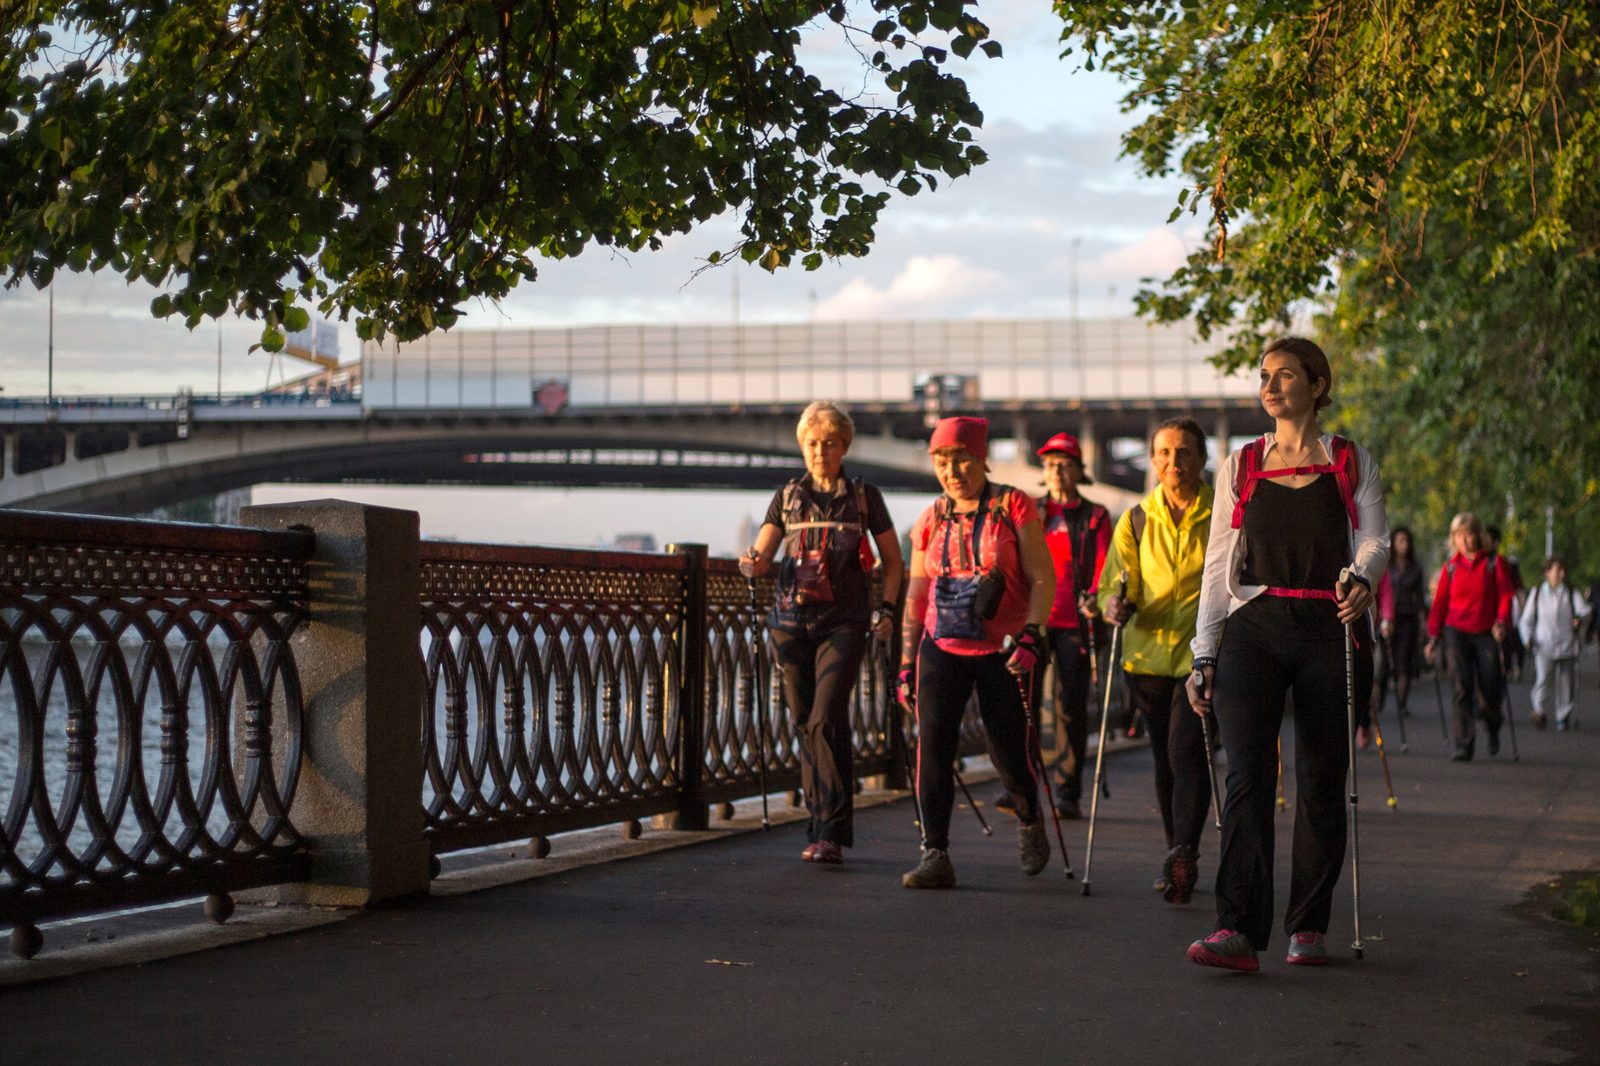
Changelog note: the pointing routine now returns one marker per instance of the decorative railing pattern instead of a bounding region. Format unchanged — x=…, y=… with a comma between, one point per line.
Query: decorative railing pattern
x=150, y=712
x=551, y=689
x=564, y=690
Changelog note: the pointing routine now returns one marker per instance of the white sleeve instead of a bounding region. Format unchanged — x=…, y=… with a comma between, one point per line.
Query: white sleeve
x=1213, y=609
x=1370, y=552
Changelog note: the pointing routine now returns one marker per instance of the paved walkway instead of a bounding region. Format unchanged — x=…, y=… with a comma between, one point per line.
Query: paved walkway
x=612, y=964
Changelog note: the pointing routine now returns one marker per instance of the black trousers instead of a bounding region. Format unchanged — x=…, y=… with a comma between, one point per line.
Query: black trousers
x=1071, y=651
x=819, y=673
x=1476, y=680
x=945, y=683
x=1178, y=742
x=1270, y=649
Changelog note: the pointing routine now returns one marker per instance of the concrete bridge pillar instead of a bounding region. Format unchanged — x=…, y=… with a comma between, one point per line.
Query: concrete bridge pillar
x=1089, y=440
x=1219, y=438
x=359, y=803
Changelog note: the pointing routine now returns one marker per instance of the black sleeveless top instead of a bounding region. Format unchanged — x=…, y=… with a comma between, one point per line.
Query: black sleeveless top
x=1298, y=539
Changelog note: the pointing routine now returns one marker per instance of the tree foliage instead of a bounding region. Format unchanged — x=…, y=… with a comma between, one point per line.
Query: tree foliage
x=392, y=159
x=1420, y=173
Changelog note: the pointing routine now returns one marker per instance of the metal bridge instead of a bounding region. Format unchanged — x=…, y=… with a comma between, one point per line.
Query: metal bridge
x=658, y=406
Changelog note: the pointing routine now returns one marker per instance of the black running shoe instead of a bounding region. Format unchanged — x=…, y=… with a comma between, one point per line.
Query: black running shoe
x=1068, y=808
x=1004, y=802
x=1180, y=871
x=1462, y=755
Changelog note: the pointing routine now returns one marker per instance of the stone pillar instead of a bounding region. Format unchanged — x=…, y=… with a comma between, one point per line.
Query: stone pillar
x=359, y=803
x=1219, y=438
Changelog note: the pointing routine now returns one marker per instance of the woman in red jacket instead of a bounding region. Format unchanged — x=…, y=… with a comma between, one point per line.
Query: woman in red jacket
x=1471, y=610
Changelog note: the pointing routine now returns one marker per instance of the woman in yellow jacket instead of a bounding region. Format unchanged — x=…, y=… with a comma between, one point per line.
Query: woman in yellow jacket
x=1161, y=543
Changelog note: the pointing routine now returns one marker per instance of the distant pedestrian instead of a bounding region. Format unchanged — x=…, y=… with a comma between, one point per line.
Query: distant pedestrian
x=826, y=522
x=1550, y=626
x=1472, y=605
x=1402, y=601
x=1161, y=543
x=1078, y=533
x=980, y=575
x=1293, y=510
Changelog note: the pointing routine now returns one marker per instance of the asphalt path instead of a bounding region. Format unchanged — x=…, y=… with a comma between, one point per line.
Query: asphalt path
x=736, y=952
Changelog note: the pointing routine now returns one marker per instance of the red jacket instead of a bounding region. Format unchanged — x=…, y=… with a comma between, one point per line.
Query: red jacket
x=1096, y=537
x=1472, y=595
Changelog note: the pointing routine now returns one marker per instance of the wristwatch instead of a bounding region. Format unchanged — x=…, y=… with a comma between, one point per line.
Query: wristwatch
x=882, y=611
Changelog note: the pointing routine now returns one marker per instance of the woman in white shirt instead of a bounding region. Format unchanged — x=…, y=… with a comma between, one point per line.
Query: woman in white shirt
x=1292, y=511
x=1549, y=626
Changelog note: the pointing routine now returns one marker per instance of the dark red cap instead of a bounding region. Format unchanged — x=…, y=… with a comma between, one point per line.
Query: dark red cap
x=969, y=433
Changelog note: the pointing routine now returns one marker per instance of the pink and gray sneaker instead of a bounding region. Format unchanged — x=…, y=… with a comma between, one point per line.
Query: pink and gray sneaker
x=1307, y=949
x=1226, y=949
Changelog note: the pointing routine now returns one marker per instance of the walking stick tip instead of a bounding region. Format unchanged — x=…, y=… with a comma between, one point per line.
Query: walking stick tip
x=1085, y=886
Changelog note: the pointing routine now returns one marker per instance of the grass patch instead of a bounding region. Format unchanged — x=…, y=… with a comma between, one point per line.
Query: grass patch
x=1579, y=901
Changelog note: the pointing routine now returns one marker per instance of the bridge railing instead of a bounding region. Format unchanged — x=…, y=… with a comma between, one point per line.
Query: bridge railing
x=150, y=713
x=313, y=711
x=570, y=689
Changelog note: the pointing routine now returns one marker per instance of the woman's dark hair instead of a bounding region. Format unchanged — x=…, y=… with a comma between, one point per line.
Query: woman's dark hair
x=1411, y=542
x=1313, y=360
x=1184, y=425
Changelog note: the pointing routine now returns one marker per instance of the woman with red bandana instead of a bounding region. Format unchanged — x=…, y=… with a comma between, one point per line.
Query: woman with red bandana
x=980, y=575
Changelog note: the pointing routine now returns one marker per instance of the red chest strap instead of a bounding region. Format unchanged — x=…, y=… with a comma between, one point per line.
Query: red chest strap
x=1342, y=468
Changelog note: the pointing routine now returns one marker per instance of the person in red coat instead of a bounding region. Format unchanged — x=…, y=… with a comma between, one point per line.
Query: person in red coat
x=1078, y=533
x=1471, y=612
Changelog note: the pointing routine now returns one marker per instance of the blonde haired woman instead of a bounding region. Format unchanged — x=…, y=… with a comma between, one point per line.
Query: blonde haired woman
x=826, y=523
x=1471, y=610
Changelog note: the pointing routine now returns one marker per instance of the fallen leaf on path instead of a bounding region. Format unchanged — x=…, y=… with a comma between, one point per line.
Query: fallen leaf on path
x=1375, y=936
x=1521, y=973
x=725, y=962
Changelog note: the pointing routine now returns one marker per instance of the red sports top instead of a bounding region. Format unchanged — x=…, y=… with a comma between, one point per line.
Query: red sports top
x=1085, y=527
x=1472, y=595
x=999, y=549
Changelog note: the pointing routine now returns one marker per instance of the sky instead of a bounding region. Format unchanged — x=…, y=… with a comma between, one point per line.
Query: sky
x=998, y=243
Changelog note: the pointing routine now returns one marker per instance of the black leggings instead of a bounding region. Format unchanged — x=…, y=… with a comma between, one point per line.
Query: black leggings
x=1178, y=742
x=1270, y=649
x=819, y=675
x=1476, y=680
x=944, y=684
x=1070, y=648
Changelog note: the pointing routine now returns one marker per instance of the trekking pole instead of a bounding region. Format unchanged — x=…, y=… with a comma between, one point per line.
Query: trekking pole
x=1035, y=758
x=972, y=803
x=1100, y=750
x=1094, y=677
x=761, y=707
x=1211, y=764
x=1383, y=757
x=1282, y=803
x=1400, y=716
x=1350, y=738
x=1511, y=710
x=1438, y=695
x=900, y=714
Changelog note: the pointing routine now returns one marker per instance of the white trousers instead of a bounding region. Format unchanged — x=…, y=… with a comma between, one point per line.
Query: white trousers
x=1554, y=681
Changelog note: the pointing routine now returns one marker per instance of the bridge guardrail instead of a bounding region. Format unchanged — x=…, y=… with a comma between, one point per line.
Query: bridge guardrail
x=263, y=688
x=173, y=643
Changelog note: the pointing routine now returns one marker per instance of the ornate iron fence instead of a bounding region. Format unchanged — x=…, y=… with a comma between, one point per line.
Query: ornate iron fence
x=570, y=689
x=150, y=712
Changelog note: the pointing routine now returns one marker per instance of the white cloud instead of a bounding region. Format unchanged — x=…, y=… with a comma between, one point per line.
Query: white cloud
x=1157, y=253
x=926, y=287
